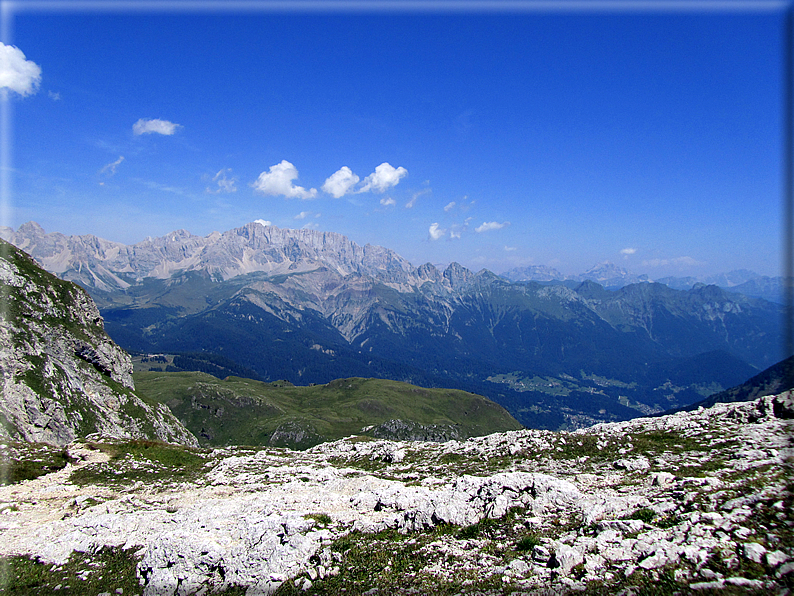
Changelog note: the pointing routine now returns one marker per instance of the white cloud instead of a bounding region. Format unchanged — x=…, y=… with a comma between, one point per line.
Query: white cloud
x=340, y=182
x=456, y=230
x=16, y=73
x=303, y=215
x=54, y=96
x=163, y=187
x=688, y=261
x=386, y=201
x=410, y=204
x=628, y=251
x=491, y=225
x=225, y=185
x=677, y=261
x=161, y=127
x=111, y=167
x=263, y=222
x=449, y=206
x=384, y=177
x=511, y=248
x=278, y=181
x=435, y=232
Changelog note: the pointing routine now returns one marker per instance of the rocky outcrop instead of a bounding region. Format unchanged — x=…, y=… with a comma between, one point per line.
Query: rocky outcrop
x=62, y=376
x=698, y=500
x=407, y=430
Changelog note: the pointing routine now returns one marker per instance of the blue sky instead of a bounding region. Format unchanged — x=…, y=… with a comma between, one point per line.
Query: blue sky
x=649, y=138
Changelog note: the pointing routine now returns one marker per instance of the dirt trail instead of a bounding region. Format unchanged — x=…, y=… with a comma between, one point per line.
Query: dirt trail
x=48, y=498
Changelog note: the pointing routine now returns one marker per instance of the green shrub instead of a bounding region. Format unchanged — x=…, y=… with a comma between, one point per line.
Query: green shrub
x=527, y=543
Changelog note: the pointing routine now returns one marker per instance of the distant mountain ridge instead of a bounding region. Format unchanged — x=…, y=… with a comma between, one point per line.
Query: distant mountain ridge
x=311, y=307
x=237, y=411
x=109, y=266
x=613, y=277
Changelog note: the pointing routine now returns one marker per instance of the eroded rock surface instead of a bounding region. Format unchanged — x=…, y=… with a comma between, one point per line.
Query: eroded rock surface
x=700, y=499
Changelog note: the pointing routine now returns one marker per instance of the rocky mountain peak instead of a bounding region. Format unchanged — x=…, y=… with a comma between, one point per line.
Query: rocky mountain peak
x=429, y=272
x=533, y=273
x=254, y=247
x=457, y=274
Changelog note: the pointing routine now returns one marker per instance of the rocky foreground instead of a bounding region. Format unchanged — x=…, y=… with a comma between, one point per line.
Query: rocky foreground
x=696, y=502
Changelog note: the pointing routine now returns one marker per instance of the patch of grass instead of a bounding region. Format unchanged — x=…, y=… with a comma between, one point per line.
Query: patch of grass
x=150, y=461
x=599, y=449
x=322, y=519
x=669, y=521
x=391, y=563
x=644, y=514
x=657, y=441
x=453, y=458
x=26, y=461
x=482, y=528
x=527, y=543
x=85, y=573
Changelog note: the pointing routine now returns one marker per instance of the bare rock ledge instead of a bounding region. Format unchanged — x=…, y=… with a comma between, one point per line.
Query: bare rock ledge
x=699, y=498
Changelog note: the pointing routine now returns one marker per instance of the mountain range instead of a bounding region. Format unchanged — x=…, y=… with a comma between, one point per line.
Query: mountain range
x=64, y=379
x=614, y=277
x=309, y=307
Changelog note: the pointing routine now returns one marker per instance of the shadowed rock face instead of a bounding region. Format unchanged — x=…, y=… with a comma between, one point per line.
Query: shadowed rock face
x=63, y=377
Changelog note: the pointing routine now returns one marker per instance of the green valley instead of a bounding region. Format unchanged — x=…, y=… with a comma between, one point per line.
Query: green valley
x=243, y=411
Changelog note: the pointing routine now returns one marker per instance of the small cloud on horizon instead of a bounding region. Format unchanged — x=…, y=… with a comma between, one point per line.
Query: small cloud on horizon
x=628, y=251
x=685, y=261
x=487, y=226
x=154, y=126
x=263, y=222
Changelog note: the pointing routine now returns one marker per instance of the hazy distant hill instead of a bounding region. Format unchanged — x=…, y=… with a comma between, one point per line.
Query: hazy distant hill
x=310, y=307
x=533, y=273
x=609, y=275
x=774, y=380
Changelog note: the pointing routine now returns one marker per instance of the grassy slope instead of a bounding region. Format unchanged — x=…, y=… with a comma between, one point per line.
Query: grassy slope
x=244, y=411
